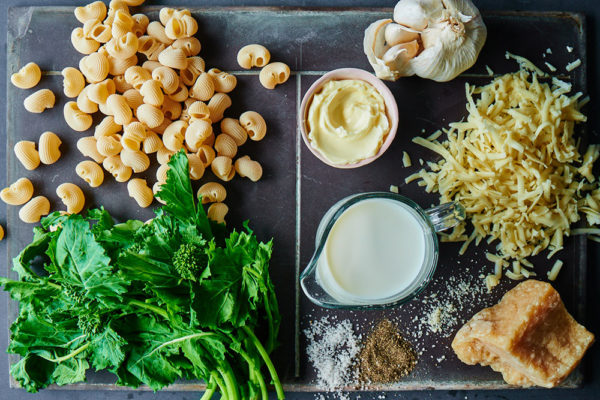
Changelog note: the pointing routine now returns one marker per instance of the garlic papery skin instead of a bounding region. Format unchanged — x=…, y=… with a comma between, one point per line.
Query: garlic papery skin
x=448, y=35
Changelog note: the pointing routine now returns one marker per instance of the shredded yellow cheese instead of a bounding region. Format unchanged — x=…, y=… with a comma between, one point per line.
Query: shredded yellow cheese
x=515, y=166
x=406, y=160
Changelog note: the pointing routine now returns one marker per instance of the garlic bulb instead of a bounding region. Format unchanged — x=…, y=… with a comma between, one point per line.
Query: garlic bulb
x=434, y=39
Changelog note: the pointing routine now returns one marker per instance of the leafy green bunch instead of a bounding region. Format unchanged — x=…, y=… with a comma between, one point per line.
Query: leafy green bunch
x=175, y=298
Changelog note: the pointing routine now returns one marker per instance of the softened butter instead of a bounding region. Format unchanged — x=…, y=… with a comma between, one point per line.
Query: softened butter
x=347, y=121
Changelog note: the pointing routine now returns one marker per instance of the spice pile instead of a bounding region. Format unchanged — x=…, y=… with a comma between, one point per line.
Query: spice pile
x=386, y=356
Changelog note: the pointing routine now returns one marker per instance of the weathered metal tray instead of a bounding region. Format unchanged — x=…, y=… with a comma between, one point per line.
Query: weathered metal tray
x=297, y=189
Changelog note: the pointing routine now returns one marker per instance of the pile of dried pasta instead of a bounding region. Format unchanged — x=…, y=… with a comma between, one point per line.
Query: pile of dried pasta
x=515, y=166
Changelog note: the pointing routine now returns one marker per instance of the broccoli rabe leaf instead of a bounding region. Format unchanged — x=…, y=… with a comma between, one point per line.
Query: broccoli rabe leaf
x=83, y=262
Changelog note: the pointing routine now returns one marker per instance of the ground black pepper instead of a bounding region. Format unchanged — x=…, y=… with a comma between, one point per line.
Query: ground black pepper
x=385, y=355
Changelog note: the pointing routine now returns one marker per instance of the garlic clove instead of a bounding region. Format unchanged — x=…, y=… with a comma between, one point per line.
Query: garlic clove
x=416, y=13
x=375, y=47
x=396, y=34
x=404, y=50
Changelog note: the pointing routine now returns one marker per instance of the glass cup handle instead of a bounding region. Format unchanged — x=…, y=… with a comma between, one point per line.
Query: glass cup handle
x=446, y=216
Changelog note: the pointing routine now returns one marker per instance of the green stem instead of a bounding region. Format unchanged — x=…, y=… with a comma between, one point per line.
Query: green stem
x=210, y=389
x=214, y=375
x=229, y=378
x=272, y=334
x=267, y=360
x=54, y=285
x=255, y=375
x=70, y=355
x=150, y=307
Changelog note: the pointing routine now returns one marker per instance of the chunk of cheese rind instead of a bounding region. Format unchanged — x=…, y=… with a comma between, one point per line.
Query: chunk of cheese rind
x=528, y=336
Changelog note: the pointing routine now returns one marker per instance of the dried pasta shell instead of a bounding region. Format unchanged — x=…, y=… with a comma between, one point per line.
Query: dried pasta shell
x=122, y=24
x=109, y=145
x=168, y=78
x=212, y=192
x=49, y=144
x=274, y=74
x=99, y=92
x=73, y=81
x=140, y=192
x=94, y=67
x=113, y=7
x=223, y=169
x=94, y=29
x=118, y=170
x=136, y=76
x=121, y=84
x=90, y=172
x=206, y=154
x=152, y=93
x=38, y=101
x=162, y=127
x=124, y=46
x=119, y=109
x=224, y=82
x=118, y=66
x=253, y=55
x=254, y=124
x=83, y=44
x=171, y=109
x=150, y=116
x=134, y=98
x=174, y=135
x=107, y=127
x=196, y=133
x=71, y=196
x=198, y=110
x=133, y=136
x=217, y=106
x=195, y=66
x=137, y=160
x=75, y=118
x=174, y=58
x=151, y=143
x=247, y=168
x=84, y=103
x=190, y=45
x=150, y=47
x=88, y=147
x=204, y=87
x=93, y=11
x=210, y=141
x=225, y=145
x=151, y=65
x=27, y=77
x=161, y=173
x=232, y=127
x=196, y=166
x=33, y=211
x=180, y=94
x=27, y=154
x=141, y=22
x=217, y=212
x=17, y=193
x=163, y=155
x=167, y=13
x=157, y=31
x=181, y=27
x=133, y=3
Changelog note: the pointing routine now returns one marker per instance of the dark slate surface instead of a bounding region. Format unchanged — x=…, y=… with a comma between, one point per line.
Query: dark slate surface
x=433, y=103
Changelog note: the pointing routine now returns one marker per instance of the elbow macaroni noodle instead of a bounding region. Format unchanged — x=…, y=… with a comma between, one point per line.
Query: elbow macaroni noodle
x=34, y=210
x=18, y=193
x=38, y=101
x=27, y=154
x=49, y=148
x=72, y=197
x=90, y=172
x=27, y=77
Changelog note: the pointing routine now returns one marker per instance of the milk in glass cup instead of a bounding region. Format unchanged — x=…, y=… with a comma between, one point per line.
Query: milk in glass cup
x=375, y=250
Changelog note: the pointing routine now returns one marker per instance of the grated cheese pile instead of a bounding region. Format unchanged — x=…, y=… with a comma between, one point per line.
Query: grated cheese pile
x=514, y=165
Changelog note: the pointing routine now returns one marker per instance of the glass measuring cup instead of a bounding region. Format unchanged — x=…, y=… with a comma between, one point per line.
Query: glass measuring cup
x=320, y=286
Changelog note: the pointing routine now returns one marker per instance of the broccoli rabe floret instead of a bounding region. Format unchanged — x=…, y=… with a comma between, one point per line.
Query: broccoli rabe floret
x=189, y=260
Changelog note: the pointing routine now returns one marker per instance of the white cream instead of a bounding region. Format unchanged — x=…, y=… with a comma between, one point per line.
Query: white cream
x=375, y=250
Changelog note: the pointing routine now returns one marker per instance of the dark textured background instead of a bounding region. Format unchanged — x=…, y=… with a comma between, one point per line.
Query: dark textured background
x=591, y=387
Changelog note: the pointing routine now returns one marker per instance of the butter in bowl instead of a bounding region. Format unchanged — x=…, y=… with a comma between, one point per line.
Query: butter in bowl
x=348, y=118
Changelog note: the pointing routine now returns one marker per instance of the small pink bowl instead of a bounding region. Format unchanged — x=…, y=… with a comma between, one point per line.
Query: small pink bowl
x=391, y=110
